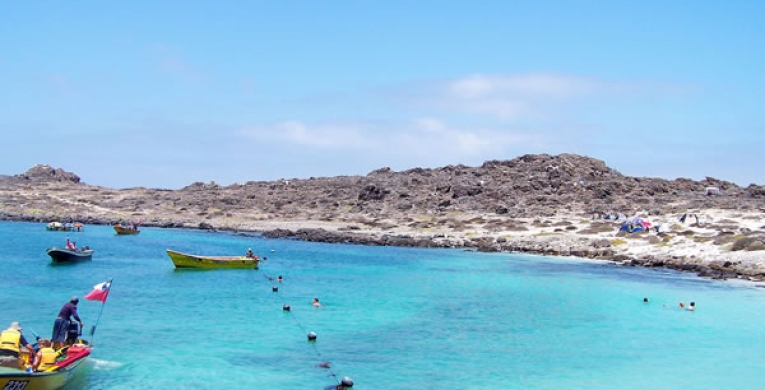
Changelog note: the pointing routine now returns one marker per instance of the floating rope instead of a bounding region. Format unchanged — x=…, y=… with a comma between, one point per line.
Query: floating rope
x=310, y=335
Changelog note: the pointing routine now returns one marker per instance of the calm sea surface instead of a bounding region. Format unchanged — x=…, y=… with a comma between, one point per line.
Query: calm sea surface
x=393, y=318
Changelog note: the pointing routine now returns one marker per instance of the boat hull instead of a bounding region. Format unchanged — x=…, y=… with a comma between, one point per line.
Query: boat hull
x=183, y=260
x=61, y=227
x=63, y=255
x=49, y=380
x=125, y=231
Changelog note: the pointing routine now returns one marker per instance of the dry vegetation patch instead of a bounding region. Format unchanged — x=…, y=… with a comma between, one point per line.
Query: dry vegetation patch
x=724, y=239
x=599, y=227
x=504, y=225
x=749, y=244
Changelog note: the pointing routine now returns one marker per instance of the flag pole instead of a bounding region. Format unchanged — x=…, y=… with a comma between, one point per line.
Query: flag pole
x=93, y=328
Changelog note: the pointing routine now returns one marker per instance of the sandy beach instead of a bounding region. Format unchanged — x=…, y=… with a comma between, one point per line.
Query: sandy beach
x=681, y=245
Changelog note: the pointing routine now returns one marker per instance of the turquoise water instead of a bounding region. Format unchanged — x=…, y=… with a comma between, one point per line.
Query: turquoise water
x=393, y=318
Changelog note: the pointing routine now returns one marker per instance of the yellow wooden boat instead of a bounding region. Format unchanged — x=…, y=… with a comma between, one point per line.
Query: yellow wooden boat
x=51, y=379
x=183, y=260
x=125, y=230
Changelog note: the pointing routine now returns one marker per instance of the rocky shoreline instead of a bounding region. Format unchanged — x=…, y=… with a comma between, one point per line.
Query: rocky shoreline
x=536, y=204
x=714, y=270
x=590, y=248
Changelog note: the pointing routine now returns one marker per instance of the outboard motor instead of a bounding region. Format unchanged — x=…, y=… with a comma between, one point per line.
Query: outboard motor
x=73, y=333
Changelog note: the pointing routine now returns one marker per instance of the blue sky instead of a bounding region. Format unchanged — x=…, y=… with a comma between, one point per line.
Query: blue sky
x=166, y=93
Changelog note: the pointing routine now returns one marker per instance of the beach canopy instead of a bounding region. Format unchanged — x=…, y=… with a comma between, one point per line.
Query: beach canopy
x=630, y=228
x=640, y=221
x=635, y=224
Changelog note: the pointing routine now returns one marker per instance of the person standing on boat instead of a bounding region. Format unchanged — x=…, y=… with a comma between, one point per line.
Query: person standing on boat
x=249, y=253
x=11, y=343
x=61, y=325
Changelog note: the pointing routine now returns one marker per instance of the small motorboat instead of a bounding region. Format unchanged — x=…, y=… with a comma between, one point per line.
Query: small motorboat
x=126, y=230
x=56, y=377
x=183, y=260
x=64, y=255
x=64, y=227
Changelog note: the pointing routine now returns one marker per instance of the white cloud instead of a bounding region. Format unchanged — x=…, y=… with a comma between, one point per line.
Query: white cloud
x=471, y=87
x=511, y=97
x=519, y=86
x=466, y=120
x=424, y=137
x=463, y=142
x=325, y=136
x=430, y=125
x=506, y=109
x=531, y=96
x=472, y=144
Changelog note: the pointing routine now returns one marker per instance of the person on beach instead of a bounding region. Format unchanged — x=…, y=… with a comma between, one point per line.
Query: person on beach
x=316, y=302
x=12, y=344
x=61, y=325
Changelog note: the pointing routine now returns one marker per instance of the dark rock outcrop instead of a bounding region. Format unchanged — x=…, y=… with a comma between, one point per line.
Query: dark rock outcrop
x=42, y=173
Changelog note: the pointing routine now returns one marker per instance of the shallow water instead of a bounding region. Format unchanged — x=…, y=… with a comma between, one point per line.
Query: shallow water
x=391, y=318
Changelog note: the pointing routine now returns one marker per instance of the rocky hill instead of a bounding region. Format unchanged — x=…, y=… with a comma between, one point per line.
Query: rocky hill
x=527, y=186
x=533, y=203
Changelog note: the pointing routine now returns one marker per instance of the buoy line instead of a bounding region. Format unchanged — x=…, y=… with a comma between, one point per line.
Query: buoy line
x=346, y=382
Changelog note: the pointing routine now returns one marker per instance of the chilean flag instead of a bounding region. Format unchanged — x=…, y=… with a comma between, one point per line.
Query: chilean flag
x=99, y=293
